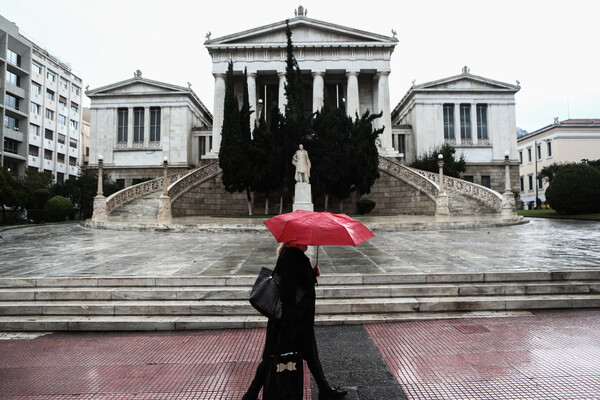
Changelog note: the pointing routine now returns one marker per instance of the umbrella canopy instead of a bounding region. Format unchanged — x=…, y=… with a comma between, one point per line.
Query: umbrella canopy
x=317, y=228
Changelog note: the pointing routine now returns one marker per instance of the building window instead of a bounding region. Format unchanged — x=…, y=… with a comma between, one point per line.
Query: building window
x=122, y=121
x=34, y=150
x=482, y=129
x=530, y=181
x=13, y=57
x=549, y=149
x=49, y=134
x=540, y=183
x=13, y=78
x=60, y=177
x=465, y=121
x=399, y=143
x=448, y=121
x=11, y=146
x=48, y=154
x=49, y=94
x=73, y=143
x=37, y=68
x=36, y=88
x=529, y=154
x=62, y=119
x=485, y=181
x=61, y=138
x=74, y=124
x=538, y=151
x=72, y=161
x=74, y=107
x=11, y=101
x=64, y=83
x=468, y=178
x=75, y=90
x=521, y=157
x=62, y=101
x=138, y=124
x=522, y=182
x=50, y=114
x=11, y=123
x=155, y=124
x=34, y=129
x=60, y=158
x=35, y=108
x=50, y=76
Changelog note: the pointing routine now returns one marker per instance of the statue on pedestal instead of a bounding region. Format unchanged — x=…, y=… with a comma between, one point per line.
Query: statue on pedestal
x=302, y=164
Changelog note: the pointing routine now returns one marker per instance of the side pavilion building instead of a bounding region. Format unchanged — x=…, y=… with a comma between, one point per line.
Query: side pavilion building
x=352, y=65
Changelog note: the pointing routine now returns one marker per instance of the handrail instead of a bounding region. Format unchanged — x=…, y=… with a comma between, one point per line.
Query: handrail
x=141, y=189
x=481, y=193
x=420, y=182
x=179, y=187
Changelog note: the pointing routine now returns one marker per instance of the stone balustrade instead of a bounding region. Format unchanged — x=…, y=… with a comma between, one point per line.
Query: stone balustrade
x=423, y=183
x=141, y=189
x=481, y=193
x=179, y=187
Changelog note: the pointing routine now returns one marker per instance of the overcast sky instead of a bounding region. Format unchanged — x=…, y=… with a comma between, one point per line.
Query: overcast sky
x=550, y=47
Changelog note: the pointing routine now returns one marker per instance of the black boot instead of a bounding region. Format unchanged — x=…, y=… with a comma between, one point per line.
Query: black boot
x=331, y=393
x=250, y=396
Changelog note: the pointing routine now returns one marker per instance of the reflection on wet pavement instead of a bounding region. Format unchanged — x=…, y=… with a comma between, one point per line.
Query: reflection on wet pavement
x=72, y=250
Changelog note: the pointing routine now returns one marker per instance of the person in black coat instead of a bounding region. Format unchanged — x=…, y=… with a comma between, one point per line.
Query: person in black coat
x=295, y=330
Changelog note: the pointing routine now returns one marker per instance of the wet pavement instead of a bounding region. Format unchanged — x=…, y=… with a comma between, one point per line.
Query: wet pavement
x=547, y=355
x=73, y=250
x=550, y=355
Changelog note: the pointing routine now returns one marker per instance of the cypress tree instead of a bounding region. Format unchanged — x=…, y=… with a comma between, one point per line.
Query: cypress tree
x=365, y=157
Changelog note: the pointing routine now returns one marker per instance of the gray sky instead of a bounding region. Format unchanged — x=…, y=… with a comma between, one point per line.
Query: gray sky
x=549, y=46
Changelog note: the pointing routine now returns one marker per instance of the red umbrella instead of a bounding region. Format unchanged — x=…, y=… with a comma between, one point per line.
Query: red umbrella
x=317, y=228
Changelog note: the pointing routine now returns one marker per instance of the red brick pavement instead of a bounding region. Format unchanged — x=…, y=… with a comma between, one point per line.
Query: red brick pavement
x=549, y=356
x=124, y=366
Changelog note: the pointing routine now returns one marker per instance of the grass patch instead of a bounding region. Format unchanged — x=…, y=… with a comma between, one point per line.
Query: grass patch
x=554, y=214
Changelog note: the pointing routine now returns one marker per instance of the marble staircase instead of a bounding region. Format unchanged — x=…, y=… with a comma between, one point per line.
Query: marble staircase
x=217, y=302
x=144, y=208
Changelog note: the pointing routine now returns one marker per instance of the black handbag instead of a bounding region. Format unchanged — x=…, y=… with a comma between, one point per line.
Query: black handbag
x=265, y=294
x=285, y=378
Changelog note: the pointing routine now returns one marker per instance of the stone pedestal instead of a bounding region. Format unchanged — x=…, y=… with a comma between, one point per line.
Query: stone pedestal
x=508, y=205
x=164, y=209
x=441, y=205
x=99, y=213
x=303, y=197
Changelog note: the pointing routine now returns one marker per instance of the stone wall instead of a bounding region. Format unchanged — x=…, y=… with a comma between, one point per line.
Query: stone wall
x=496, y=174
x=392, y=196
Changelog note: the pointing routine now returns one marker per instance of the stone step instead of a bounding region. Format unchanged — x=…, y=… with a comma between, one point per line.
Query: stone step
x=323, y=307
x=323, y=291
x=326, y=280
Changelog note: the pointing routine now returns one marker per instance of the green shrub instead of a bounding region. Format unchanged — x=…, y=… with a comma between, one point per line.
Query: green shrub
x=364, y=206
x=58, y=209
x=575, y=190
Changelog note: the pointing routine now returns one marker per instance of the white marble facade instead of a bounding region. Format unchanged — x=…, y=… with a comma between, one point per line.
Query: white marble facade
x=474, y=114
x=138, y=122
x=352, y=65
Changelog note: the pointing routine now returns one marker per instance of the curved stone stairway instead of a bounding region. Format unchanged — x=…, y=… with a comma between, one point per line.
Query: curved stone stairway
x=172, y=303
x=144, y=208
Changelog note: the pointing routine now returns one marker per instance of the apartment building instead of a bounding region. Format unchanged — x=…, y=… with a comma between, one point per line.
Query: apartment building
x=571, y=140
x=41, y=108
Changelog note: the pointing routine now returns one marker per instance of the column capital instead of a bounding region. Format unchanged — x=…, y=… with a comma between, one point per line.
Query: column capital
x=281, y=74
x=219, y=75
x=382, y=73
x=352, y=72
x=317, y=72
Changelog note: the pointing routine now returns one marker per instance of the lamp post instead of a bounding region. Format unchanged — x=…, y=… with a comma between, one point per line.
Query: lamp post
x=164, y=202
x=508, y=199
x=99, y=213
x=535, y=150
x=441, y=200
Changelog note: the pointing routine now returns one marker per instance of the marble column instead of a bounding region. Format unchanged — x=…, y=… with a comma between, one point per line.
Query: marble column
x=457, y=124
x=352, y=102
x=383, y=94
x=318, y=86
x=218, y=105
x=130, y=127
x=146, y=127
x=252, y=99
x=282, y=100
x=474, y=122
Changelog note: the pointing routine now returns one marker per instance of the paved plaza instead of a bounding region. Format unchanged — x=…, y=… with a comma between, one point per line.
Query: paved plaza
x=73, y=250
x=539, y=355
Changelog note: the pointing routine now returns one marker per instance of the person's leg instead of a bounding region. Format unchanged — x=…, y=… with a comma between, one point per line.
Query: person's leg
x=316, y=369
x=261, y=371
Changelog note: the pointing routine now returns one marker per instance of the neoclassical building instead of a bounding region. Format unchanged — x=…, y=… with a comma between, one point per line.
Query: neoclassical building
x=353, y=66
x=476, y=115
x=138, y=122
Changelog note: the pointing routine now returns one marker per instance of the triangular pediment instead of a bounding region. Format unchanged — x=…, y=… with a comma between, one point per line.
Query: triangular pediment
x=465, y=82
x=305, y=31
x=137, y=86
